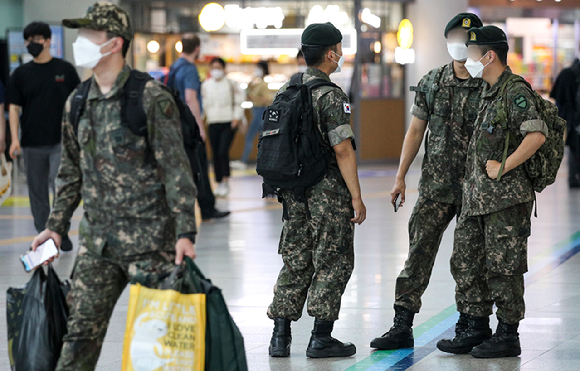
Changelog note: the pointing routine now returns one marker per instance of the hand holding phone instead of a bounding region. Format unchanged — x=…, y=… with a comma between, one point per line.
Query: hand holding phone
x=33, y=259
x=397, y=203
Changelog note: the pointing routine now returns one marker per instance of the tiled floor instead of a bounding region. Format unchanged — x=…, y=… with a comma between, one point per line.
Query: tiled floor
x=240, y=255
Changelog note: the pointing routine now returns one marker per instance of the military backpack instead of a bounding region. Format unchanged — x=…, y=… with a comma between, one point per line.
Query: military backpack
x=543, y=166
x=291, y=155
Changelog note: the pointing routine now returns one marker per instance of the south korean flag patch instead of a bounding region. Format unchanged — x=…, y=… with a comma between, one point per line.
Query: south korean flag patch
x=346, y=108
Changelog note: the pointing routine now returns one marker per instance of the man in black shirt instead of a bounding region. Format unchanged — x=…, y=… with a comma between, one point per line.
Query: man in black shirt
x=564, y=92
x=39, y=90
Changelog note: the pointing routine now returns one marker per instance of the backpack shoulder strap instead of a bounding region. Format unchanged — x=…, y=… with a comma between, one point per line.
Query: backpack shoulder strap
x=430, y=87
x=296, y=80
x=78, y=104
x=132, y=112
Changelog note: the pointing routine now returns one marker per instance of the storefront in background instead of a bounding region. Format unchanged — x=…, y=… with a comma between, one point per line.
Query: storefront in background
x=543, y=35
x=242, y=33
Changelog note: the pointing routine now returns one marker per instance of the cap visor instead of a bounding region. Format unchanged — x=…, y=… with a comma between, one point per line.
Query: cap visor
x=77, y=23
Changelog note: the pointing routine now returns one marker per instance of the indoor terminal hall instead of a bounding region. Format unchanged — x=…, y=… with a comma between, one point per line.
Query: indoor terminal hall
x=408, y=80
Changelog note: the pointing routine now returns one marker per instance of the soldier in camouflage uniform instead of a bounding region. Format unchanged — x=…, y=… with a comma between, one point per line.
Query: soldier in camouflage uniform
x=134, y=209
x=490, y=250
x=318, y=252
x=446, y=102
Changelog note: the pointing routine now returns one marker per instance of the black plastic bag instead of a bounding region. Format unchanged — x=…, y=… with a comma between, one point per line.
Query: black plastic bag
x=37, y=317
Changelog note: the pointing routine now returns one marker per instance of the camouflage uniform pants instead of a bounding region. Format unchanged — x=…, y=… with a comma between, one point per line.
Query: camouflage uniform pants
x=318, y=256
x=97, y=283
x=489, y=261
x=428, y=222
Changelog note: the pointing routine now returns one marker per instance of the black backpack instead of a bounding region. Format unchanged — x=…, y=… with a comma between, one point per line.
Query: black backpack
x=134, y=116
x=291, y=155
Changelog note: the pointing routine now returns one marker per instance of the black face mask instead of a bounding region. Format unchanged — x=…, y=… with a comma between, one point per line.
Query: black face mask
x=35, y=49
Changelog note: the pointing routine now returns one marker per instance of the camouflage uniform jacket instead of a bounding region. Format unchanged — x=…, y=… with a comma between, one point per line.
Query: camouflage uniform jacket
x=481, y=194
x=332, y=116
x=451, y=123
x=138, y=192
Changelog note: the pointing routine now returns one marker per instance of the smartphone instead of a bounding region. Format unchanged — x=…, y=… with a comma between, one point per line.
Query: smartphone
x=397, y=204
x=33, y=259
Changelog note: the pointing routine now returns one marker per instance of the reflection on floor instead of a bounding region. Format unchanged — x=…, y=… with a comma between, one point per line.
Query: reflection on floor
x=240, y=255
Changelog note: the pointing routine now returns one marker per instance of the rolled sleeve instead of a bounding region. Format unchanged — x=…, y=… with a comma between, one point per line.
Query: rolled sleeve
x=419, y=113
x=340, y=134
x=533, y=126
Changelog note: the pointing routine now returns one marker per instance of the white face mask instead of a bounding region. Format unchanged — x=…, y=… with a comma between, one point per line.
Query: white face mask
x=340, y=62
x=302, y=68
x=457, y=51
x=258, y=72
x=88, y=54
x=217, y=74
x=474, y=68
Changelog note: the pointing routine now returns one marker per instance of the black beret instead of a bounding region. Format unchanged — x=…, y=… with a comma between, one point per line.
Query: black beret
x=463, y=20
x=321, y=34
x=487, y=35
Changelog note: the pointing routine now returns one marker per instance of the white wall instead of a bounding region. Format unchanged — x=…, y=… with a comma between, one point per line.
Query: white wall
x=429, y=18
x=54, y=11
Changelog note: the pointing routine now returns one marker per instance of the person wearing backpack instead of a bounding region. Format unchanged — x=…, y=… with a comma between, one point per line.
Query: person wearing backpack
x=138, y=190
x=566, y=93
x=184, y=78
x=489, y=256
x=446, y=102
x=311, y=117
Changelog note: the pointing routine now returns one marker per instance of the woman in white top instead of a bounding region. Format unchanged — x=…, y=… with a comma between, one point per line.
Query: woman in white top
x=222, y=106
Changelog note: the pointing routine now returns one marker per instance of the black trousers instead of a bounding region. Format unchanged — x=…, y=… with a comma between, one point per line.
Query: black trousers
x=205, y=196
x=221, y=136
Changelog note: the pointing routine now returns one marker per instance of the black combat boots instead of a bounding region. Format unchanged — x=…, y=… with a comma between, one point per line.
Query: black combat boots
x=461, y=324
x=400, y=335
x=281, y=338
x=322, y=345
x=504, y=343
x=476, y=333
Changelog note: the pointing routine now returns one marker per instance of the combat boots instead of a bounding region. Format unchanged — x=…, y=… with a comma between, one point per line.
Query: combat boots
x=504, y=343
x=322, y=345
x=461, y=324
x=476, y=333
x=281, y=338
x=400, y=335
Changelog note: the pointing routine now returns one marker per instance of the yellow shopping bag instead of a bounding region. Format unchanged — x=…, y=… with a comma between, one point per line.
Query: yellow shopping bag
x=165, y=331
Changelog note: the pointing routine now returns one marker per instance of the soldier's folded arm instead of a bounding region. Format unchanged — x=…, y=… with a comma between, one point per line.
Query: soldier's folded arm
x=174, y=170
x=70, y=178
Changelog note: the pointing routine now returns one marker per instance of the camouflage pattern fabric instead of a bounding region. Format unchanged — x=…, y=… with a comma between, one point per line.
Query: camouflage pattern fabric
x=131, y=204
x=428, y=222
x=483, y=195
x=97, y=283
x=318, y=256
x=489, y=261
x=451, y=123
x=104, y=16
x=318, y=253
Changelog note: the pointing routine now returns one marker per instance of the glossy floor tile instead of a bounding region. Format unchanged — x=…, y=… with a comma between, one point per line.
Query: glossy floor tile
x=240, y=255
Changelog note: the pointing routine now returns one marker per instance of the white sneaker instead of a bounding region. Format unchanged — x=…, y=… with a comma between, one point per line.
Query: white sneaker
x=238, y=165
x=226, y=189
x=222, y=190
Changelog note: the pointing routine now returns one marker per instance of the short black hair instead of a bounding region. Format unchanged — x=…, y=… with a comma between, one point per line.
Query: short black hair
x=190, y=42
x=126, y=43
x=218, y=60
x=501, y=49
x=264, y=66
x=314, y=55
x=37, y=29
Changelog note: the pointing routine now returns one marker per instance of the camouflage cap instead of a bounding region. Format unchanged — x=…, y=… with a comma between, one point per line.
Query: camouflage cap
x=104, y=16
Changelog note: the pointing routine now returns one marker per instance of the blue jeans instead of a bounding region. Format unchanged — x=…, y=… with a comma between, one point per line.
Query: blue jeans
x=253, y=130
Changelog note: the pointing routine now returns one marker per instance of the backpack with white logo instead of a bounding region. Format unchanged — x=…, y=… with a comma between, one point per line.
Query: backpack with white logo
x=291, y=155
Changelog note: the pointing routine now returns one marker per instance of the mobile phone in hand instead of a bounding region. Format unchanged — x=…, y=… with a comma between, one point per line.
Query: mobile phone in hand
x=33, y=259
x=397, y=203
